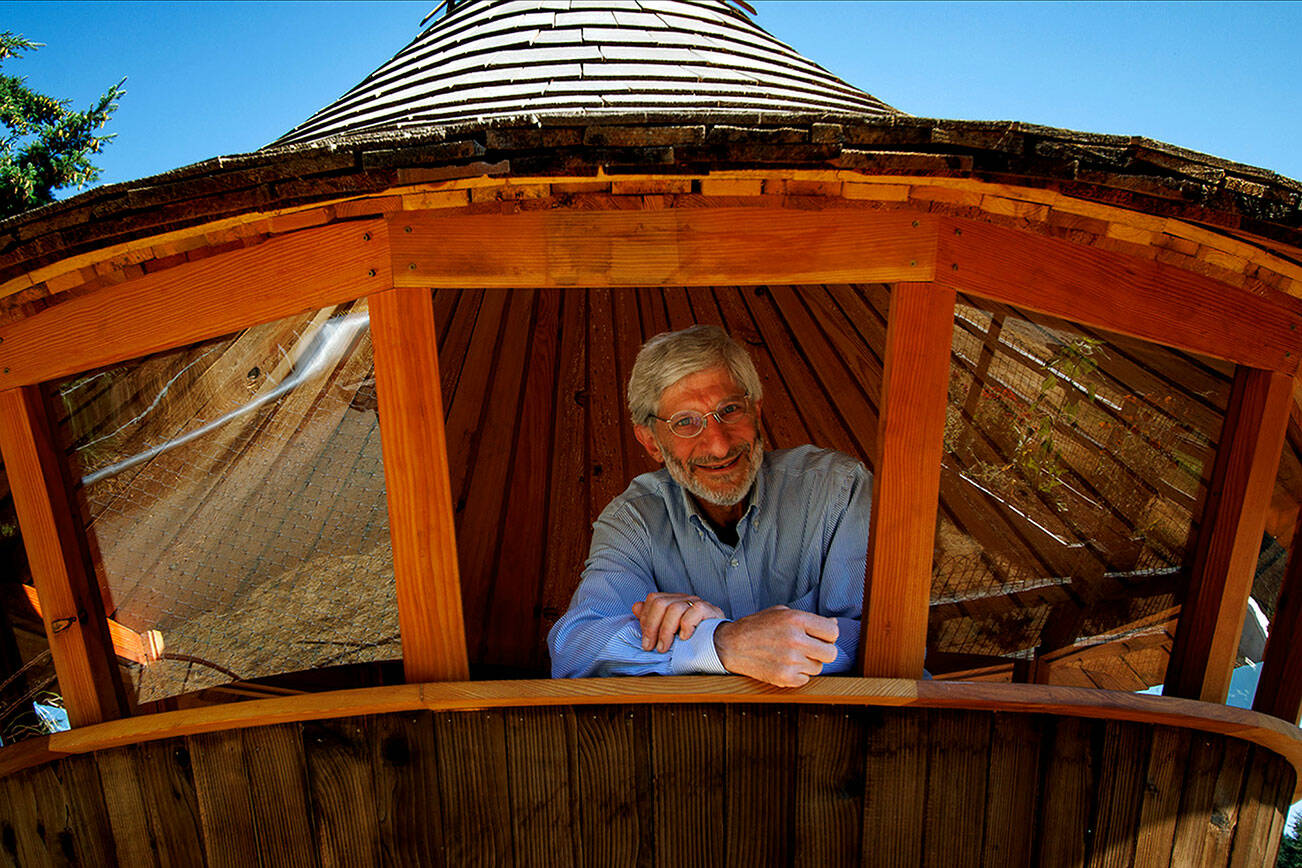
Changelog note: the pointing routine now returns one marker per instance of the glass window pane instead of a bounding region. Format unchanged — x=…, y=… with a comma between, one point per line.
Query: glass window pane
x=1076, y=463
x=234, y=494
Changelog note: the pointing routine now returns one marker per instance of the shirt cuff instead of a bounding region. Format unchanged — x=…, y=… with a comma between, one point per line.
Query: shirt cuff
x=696, y=656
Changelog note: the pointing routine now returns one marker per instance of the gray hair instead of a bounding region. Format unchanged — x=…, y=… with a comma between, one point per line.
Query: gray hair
x=668, y=357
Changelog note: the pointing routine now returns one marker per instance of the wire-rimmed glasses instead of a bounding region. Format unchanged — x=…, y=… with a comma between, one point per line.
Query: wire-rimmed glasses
x=689, y=423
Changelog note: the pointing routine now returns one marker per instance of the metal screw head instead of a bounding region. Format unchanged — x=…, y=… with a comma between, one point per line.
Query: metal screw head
x=411, y=266
x=370, y=272
x=915, y=224
x=366, y=236
x=406, y=229
x=958, y=231
x=954, y=267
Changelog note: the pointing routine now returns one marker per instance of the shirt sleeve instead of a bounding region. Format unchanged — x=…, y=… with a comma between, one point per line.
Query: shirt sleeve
x=841, y=588
x=598, y=634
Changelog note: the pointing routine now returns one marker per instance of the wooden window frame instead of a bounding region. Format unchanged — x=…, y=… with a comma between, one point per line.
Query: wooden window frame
x=929, y=257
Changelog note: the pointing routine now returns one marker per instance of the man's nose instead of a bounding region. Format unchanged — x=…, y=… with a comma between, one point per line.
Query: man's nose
x=716, y=438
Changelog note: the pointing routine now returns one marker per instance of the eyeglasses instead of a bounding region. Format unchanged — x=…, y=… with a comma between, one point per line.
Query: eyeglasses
x=689, y=423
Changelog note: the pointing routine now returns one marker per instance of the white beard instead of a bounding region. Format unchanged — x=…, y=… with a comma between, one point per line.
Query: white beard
x=753, y=457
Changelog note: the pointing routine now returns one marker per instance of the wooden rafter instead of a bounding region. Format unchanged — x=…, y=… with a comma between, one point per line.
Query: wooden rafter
x=197, y=300
x=73, y=612
x=143, y=648
x=1138, y=297
x=1207, y=638
x=418, y=486
x=682, y=247
x=906, y=488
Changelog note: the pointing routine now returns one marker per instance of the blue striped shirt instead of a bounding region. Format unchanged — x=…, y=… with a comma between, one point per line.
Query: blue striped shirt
x=802, y=542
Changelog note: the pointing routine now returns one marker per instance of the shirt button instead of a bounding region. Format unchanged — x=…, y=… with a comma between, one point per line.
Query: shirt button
x=734, y=562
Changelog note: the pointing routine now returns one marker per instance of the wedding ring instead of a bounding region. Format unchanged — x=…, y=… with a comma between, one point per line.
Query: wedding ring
x=689, y=603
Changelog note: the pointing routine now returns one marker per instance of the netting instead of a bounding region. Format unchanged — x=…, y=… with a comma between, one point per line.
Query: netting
x=1075, y=467
x=234, y=491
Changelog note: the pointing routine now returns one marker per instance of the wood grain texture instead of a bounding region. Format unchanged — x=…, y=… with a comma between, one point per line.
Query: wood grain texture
x=278, y=789
x=590, y=785
x=341, y=788
x=1121, y=789
x=957, y=767
x=1234, y=517
x=1012, y=790
x=127, y=643
x=760, y=785
x=475, y=789
x=59, y=558
x=1270, y=732
x=418, y=487
x=1068, y=787
x=1279, y=690
x=1259, y=804
x=895, y=788
x=1196, y=800
x=830, y=781
x=222, y=787
x=1126, y=294
x=197, y=300
x=683, y=247
x=613, y=779
x=688, y=765
x=171, y=802
x=1160, y=807
x=906, y=487
x=408, y=803
x=539, y=749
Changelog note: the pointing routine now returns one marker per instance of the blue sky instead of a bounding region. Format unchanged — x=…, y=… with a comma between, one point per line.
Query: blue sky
x=213, y=78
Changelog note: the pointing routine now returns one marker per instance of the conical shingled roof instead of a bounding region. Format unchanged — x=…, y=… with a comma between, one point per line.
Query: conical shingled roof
x=565, y=57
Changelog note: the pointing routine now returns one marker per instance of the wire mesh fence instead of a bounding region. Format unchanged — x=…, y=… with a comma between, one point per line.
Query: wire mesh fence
x=234, y=493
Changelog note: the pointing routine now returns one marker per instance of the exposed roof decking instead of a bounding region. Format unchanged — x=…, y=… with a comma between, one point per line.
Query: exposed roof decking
x=497, y=60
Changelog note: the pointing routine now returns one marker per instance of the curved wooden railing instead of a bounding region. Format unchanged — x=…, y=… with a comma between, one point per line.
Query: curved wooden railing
x=668, y=771
x=1260, y=729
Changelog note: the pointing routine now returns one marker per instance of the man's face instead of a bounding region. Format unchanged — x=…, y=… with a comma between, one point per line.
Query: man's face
x=720, y=464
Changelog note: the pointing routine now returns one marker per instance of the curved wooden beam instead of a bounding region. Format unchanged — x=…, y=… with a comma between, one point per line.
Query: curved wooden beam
x=1269, y=732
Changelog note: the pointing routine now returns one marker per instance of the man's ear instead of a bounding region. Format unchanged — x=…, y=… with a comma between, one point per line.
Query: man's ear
x=648, y=441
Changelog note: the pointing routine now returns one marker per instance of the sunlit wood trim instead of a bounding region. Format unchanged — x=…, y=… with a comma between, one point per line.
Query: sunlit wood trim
x=1229, y=540
x=1124, y=294
x=195, y=301
x=57, y=553
x=674, y=247
x=906, y=487
x=1272, y=733
x=417, y=484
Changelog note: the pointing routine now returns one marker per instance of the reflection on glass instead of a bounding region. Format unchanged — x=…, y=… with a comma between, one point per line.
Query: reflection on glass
x=1075, y=467
x=234, y=492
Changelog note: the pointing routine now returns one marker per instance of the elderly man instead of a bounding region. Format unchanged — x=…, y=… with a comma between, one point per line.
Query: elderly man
x=729, y=559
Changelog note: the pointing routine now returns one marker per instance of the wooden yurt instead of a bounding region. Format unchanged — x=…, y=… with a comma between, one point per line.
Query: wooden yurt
x=302, y=450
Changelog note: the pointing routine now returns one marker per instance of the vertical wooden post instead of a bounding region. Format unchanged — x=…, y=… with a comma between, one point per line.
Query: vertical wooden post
x=1279, y=690
x=906, y=488
x=1229, y=536
x=418, y=486
x=71, y=606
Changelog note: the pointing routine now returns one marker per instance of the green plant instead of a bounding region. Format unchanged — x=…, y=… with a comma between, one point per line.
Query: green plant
x=1056, y=406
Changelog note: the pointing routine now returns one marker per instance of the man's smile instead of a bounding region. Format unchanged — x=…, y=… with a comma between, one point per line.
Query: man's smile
x=721, y=465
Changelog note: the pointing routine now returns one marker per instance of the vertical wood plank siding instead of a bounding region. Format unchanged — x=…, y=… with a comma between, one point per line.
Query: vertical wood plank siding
x=661, y=785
